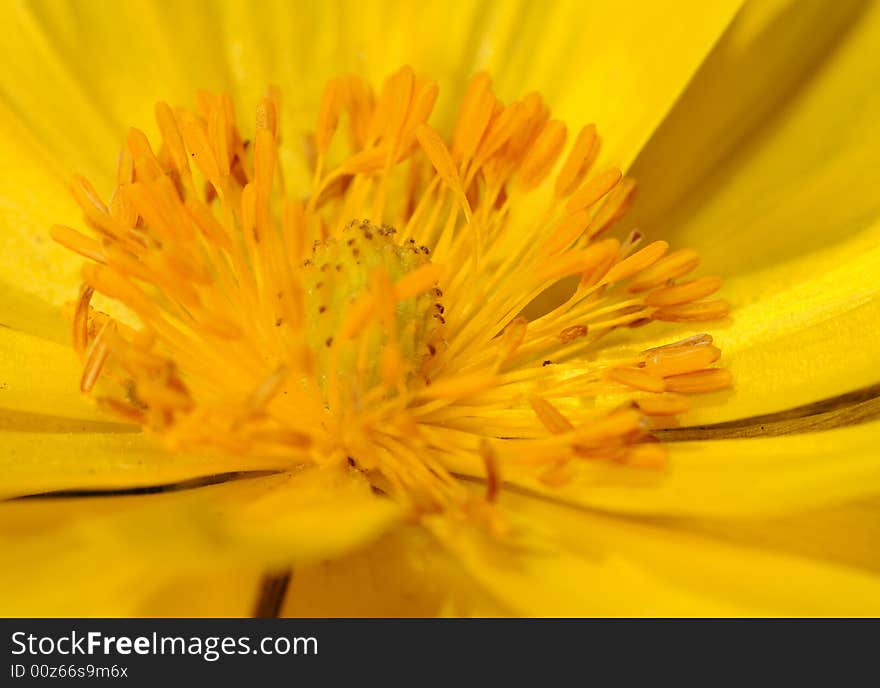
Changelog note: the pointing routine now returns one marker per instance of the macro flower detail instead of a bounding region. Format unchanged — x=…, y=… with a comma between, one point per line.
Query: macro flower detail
x=407, y=341
x=378, y=322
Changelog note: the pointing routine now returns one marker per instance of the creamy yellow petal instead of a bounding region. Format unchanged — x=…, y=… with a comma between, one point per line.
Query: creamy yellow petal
x=813, y=333
x=545, y=577
x=791, y=220
x=45, y=461
x=40, y=376
x=802, y=330
x=845, y=534
x=78, y=75
x=622, y=61
x=36, y=275
x=120, y=555
x=803, y=181
x=403, y=574
x=311, y=514
x=742, y=478
x=569, y=562
x=607, y=62
x=622, y=64
x=767, y=53
x=97, y=557
x=226, y=594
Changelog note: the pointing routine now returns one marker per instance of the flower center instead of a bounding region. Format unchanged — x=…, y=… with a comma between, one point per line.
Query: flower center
x=260, y=319
x=364, y=260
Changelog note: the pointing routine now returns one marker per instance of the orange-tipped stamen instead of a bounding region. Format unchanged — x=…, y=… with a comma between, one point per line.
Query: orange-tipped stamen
x=376, y=311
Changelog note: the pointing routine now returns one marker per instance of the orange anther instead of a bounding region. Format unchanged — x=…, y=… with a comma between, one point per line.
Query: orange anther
x=569, y=334
x=637, y=378
x=677, y=360
x=636, y=262
x=578, y=162
x=543, y=154
x=616, y=204
x=493, y=474
x=75, y=241
x=476, y=110
x=328, y=115
x=438, y=154
x=550, y=417
x=195, y=136
x=700, y=381
x=684, y=293
x=593, y=191
x=646, y=456
x=674, y=265
x=695, y=311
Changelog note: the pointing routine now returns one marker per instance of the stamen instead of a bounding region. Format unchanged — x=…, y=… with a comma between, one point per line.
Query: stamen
x=637, y=379
x=699, y=382
x=696, y=311
x=510, y=340
x=636, y=262
x=476, y=110
x=684, y=292
x=79, y=243
x=81, y=320
x=592, y=192
x=682, y=359
x=441, y=159
x=567, y=231
x=268, y=389
x=551, y=418
x=96, y=356
x=493, y=477
x=616, y=204
x=671, y=267
x=543, y=154
x=557, y=476
x=266, y=319
x=328, y=116
x=569, y=334
x=578, y=162
x=646, y=456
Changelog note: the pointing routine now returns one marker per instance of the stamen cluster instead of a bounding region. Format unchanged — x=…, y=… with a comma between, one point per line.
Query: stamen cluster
x=375, y=317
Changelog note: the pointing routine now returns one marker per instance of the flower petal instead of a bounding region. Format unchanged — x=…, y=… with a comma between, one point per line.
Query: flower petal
x=98, y=557
x=768, y=52
x=594, y=565
x=803, y=330
x=37, y=462
x=733, y=478
x=403, y=574
x=791, y=219
x=814, y=333
x=226, y=594
x=620, y=66
x=118, y=556
x=800, y=183
x=312, y=514
x=626, y=73
x=36, y=274
x=845, y=534
x=73, y=67
x=40, y=376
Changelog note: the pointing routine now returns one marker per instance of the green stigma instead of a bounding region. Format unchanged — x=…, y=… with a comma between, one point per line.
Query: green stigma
x=337, y=274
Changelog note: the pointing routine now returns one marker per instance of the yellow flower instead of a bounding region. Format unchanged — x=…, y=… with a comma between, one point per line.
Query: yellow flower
x=379, y=416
